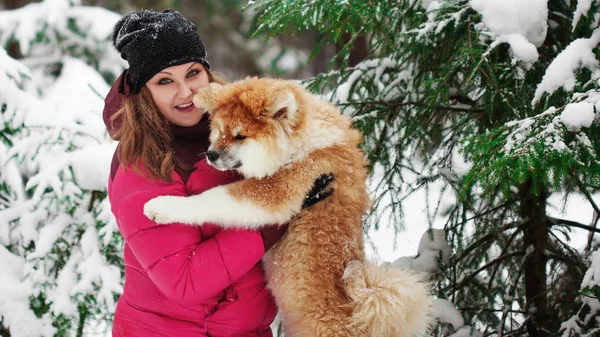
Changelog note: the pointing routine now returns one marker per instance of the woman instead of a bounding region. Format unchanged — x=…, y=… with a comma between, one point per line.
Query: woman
x=179, y=280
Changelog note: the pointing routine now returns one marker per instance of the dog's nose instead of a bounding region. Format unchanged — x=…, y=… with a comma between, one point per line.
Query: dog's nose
x=212, y=155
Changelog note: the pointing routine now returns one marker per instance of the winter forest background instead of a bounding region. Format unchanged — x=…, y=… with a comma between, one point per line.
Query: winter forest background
x=481, y=121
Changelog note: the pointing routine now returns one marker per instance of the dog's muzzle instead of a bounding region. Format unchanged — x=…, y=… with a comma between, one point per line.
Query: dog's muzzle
x=221, y=161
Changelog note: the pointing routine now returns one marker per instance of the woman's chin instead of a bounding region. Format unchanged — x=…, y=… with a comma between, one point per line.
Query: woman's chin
x=187, y=122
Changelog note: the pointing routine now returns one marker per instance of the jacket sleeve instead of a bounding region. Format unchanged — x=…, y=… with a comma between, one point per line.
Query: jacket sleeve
x=186, y=268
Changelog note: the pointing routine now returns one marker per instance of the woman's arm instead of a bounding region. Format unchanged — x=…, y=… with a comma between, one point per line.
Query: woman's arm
x=247, y=203
x=186, y=268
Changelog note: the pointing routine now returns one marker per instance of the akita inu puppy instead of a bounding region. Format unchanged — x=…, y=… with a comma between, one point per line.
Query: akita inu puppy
x=282, y=138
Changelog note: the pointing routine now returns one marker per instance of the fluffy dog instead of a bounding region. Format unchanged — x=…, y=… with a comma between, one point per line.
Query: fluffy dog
x=282, y=138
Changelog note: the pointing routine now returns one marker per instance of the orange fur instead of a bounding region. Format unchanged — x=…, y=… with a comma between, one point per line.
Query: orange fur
x=317, y=272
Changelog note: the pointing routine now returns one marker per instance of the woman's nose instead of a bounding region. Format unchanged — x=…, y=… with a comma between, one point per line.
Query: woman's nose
x=184, y=90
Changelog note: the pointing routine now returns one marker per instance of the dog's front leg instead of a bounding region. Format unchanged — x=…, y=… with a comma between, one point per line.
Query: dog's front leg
x=217, y=206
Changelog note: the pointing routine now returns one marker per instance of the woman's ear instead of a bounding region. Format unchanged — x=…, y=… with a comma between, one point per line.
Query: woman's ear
x=205, y=97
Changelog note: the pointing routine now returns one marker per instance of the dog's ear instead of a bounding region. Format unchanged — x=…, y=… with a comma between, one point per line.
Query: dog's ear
x=205, y=97
x=284, y=106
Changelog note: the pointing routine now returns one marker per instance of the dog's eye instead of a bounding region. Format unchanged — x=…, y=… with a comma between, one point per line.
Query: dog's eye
x=240, y=137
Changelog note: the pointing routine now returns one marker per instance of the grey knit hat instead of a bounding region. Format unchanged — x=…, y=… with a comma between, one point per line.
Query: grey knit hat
x=152, y=41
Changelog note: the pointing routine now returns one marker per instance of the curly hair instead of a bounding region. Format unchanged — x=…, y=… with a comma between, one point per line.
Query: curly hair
x=145, y=136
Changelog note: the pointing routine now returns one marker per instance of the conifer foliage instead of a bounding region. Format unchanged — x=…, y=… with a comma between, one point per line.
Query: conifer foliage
x=59, y=247
x=494, y=105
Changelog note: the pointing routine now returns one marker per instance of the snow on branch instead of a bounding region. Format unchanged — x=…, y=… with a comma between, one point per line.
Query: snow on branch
x=521, y=24
x=434, y=251
x=561, y=72
x=591, y=280
x=432, y=245
x=551, y=126
x=57, y=234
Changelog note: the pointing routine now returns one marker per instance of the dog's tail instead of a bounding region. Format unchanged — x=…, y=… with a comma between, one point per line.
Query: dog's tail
x=387, y=301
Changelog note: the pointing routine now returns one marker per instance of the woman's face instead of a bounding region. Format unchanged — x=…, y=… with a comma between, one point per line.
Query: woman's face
x=173, y=89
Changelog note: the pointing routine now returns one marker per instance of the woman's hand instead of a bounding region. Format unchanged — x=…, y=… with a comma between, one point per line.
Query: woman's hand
x=320, y=190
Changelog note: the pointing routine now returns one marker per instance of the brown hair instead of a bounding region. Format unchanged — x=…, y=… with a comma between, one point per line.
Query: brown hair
x=145, y=135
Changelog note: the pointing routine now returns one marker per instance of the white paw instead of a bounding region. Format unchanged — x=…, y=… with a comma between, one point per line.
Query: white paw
x=163, y=209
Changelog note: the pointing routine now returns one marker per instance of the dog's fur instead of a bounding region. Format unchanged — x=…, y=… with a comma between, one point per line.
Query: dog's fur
x=318, y=273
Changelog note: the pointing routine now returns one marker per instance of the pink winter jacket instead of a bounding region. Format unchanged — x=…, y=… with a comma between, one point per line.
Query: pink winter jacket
x=183, y=280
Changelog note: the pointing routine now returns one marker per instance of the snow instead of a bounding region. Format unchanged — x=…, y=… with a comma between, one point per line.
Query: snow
x=561, y=72
x=572, y=327
x=77, y=98
x=592, y=276
x=48, y=235
x=89, y=175
x=95, y=269
x=97, y=21
x=271, y=55
x=547, y=127
x=445, y=312
x=466, y=331
x=63, y=154
x=578, y=115
x=430, y=4
x=432, y=246
x=376, y=69
x=14, y=300
x=583, y=6
x=520, y=47
x=12, y=74
x=386, y=245
x=521, y=24
x=575, y=208
x=72, y=104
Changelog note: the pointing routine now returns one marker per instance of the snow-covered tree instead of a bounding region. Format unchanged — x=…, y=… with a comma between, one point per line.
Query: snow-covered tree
x=59, y=245
x=490, y=108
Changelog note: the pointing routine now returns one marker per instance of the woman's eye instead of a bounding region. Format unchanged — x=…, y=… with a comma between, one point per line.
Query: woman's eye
x=240, y=137
x=165, y=81
x=192, y=73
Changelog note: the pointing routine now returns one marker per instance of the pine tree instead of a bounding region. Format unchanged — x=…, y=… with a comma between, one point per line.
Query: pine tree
x=59, y=245
x=498, y=120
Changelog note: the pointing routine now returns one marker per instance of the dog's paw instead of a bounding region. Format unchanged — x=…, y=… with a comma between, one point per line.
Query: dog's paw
x=162, y=210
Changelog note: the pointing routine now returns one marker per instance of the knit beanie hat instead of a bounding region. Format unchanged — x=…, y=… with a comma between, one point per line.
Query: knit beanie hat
x=152, y=41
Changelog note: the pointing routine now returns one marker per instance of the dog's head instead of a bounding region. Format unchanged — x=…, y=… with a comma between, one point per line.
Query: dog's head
x=253, y=123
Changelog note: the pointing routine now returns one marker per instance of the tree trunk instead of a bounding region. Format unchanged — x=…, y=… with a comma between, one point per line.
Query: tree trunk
x=533, y=207
x=13, y=50
x=12, y=4
x=359, y=51
x=4, y=332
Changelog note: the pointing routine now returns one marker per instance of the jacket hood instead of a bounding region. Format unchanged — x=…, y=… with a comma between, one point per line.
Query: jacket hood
x=114, y=101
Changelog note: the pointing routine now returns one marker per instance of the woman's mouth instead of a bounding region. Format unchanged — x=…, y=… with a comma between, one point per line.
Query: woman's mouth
x=187, y=107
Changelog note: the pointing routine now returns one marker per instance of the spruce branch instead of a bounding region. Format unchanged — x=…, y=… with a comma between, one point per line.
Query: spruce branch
x=588, y=196
x=495, y=261
x=570, y=250
x=586, y=193
x=383, y=135
x=590, y=240
x=511, y=294
x=571, y=223
x=507, y=246
x=570, y=255
x=491, y=310
x=486, y=238
x=410, y=103
x=515, y=332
